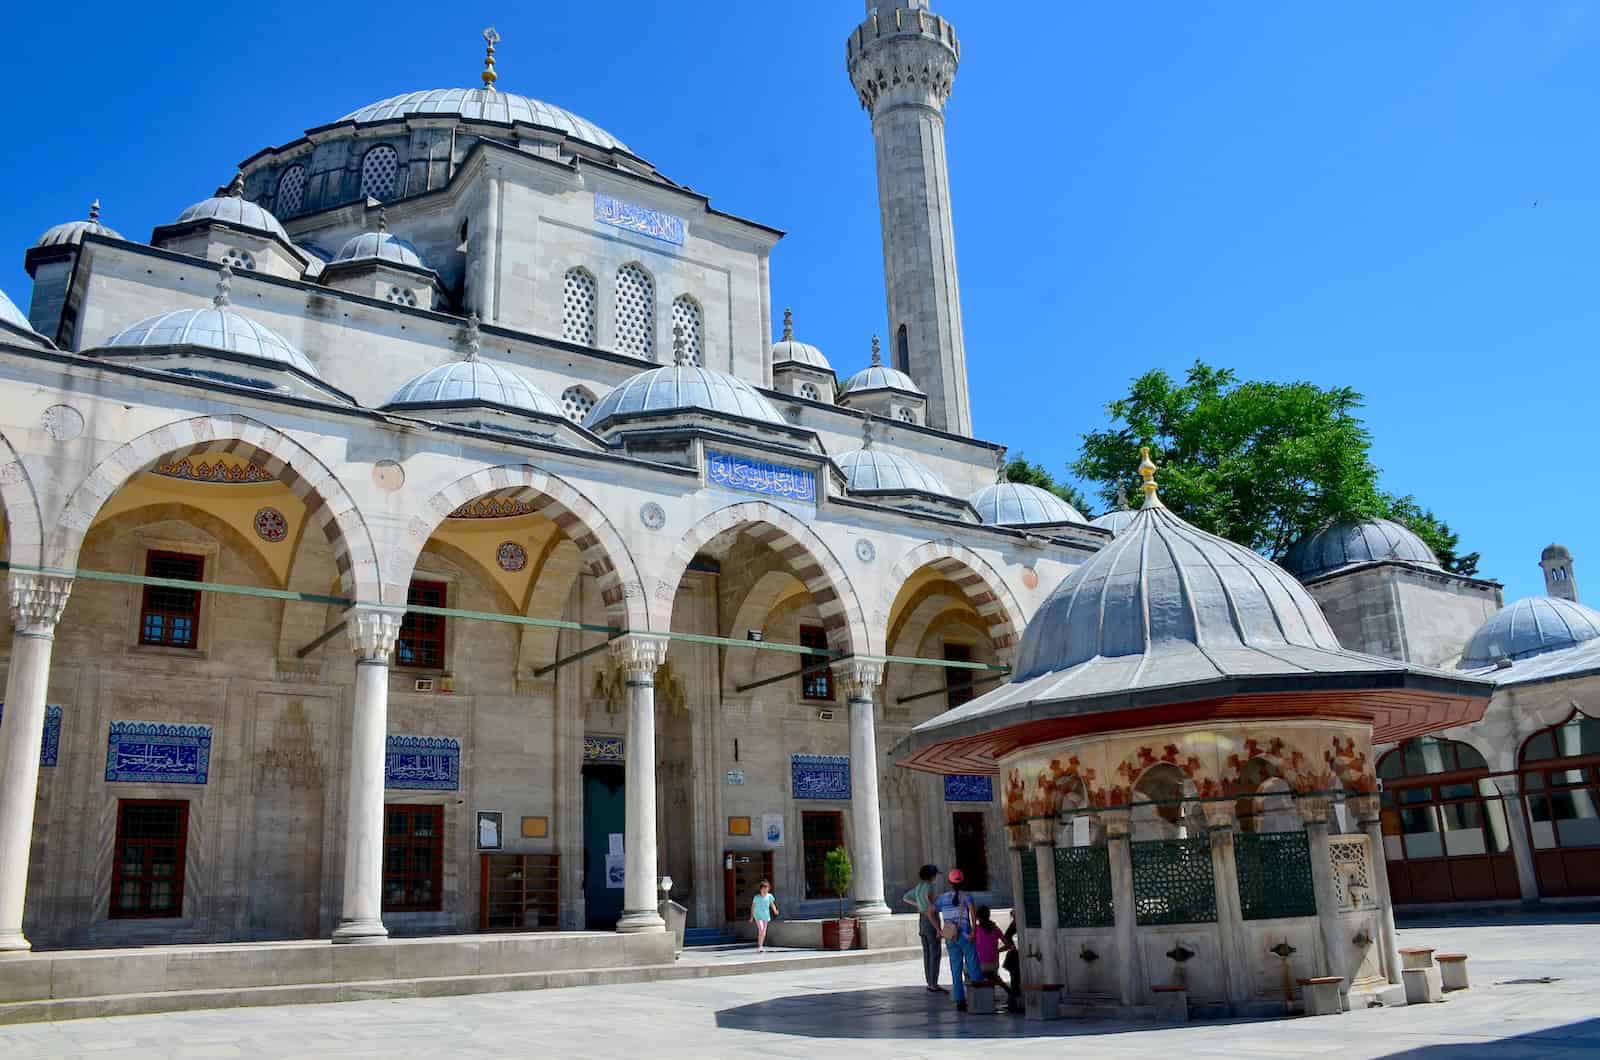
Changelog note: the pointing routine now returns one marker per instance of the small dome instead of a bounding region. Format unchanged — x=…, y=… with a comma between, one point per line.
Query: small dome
x=473, y=382
x=10, y=314
x=71, y=233
x=1530, y=627
x=1345, y=544
x=1117, y=520
x=879, y=469
x=791, y=350
x=234, y=210
x=683, y=386
x=216, y=327
x=492, y=105
x=1019, y=504
x=878, y=376
x=380, y=246
x=1555, y=552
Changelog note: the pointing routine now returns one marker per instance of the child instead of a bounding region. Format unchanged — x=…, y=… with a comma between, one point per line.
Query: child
x=763, y=907
x=1013, y=966
x=986, y=937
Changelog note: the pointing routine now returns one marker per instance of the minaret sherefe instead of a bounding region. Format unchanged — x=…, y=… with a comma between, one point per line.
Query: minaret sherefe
x=902, y=62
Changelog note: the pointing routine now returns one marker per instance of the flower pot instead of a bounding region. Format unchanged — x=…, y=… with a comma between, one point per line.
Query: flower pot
x=839, y=934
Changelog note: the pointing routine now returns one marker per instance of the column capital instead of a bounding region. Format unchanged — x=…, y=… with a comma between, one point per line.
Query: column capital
x=1117, y=823
x=1219, y=815
x=1042, y=831
x=639, y=655
x=37, y=600
x=1017, y=835
x=373, y=629
x=1367, y=808
x=1313, y=809
x=858, y=677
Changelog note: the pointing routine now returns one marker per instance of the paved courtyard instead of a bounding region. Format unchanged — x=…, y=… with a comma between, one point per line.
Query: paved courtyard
x=881, y=1011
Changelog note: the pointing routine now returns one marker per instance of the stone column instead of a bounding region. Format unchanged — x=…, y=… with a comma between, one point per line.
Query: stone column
x=37, y=601
x=1221, y=828
x=638, y=657
x=1521, y=842
x=372, y=634
x=1117, y=824
x=1017, y=844
x=1368, y=811
x=1044, y=860
x=858, y=680
x=1314, y=814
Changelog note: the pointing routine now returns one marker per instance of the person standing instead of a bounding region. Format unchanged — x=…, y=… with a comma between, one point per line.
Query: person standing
x=955, y=910
x=920, y=898
x=763, y=907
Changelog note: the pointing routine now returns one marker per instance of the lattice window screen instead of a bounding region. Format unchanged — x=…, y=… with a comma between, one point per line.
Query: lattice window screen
x=238, y=260
x=577, y=307
x=686, y=315
x=636, y=312
x=379, y=168
x=1274, y=875
x=810, y=392
x=1083, y=888
x=905, y=415
x=576, y=403
x=401, y=296
x=291, y=192
x=1172, y=881
x=1352, y=872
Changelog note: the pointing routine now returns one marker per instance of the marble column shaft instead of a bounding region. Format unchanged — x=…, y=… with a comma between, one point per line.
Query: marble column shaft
x=1049, y=945
x=859, y=679
x=1230, y=912
x=1314, y=813
x=1367, y=812
x=638, y=657
x=1521, y=842
x=1129, y=987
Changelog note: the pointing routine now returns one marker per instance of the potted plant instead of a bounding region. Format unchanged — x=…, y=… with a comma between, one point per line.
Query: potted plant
x=838, y=934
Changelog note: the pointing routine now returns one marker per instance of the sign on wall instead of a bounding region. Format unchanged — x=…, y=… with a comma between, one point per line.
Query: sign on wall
x=772, y=829
x=153, y=753
x=641, y=219
x=967, y=787
x=50, y=745
x=820, y=776
x=422, y=763
x=735, y=472
x=603, y=749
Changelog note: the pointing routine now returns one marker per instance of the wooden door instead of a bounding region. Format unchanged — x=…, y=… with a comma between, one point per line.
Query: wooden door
x=604, y=811
x=742, y=873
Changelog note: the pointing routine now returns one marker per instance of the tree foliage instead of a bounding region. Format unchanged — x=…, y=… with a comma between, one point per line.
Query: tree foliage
x=1434, y=531
x=1020, y=469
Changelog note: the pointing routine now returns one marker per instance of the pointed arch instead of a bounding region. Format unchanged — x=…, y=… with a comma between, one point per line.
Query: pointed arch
x=328, y=504
x=977, y=580
x=24, y=524
x=605, y=555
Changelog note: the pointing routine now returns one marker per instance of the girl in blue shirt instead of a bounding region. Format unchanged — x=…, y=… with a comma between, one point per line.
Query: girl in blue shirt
x=763, y=907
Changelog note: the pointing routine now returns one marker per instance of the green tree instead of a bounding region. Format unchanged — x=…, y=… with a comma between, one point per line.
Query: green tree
x=1020, y=469
x=837, y=872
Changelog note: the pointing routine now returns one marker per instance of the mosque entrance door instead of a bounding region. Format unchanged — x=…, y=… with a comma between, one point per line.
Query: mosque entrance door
x=972, y=854
x=604, y=814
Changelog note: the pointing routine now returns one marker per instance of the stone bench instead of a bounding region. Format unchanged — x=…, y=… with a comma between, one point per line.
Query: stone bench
x=1416, y=957
x=1172, y=1003
x=1422, y=985
x=1453, y=971
x=1320, y=995
x=1042, y=1001
x=980, y=996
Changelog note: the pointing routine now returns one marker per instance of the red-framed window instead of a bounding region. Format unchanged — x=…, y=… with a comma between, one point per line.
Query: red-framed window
x=957, y=682
x=817, y=680
x=413, y=858
x=1561, y=782
x=147, y=872
x=170, y=617
x=421, y=640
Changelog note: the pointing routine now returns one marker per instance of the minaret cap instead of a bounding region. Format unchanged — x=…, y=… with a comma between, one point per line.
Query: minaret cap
x=490, y=39
x=1147, y=471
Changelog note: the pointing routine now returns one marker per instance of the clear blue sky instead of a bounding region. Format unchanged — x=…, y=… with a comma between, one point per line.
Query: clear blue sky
x=1398, y=197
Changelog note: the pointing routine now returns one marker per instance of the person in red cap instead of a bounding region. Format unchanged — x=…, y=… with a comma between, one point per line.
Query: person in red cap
x=956, y=912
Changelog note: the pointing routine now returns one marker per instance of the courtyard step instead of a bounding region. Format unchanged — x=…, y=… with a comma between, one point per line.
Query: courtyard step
x=708, y=937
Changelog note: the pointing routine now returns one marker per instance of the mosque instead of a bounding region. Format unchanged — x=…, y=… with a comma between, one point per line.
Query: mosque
x=424, y=534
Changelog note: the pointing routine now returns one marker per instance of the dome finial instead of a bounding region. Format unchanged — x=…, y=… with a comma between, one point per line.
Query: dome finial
x=877, y=358
x=1000, y=465
x=383, y=218
x=236, y=186
x=680, y=348
x=1122, y=497
x=473, y=340
x=788, y=325
x=866, y=432
x=94, y=212
x=1147, y=471
x=224, y=286
x=490, y=38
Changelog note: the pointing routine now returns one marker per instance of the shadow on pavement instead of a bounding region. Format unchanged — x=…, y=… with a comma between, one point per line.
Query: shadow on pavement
x=1571, y=1039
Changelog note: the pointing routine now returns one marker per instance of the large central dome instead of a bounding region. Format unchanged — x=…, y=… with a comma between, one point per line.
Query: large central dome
x=480, y=104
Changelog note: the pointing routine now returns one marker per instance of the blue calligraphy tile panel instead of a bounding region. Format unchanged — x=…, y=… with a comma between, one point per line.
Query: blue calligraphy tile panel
x=821, y=776
x=603, y=749
x=50, y=746
x=641, y=219
x=968, y=787
x=422, y=763
x=731, y=471
x=152, y=753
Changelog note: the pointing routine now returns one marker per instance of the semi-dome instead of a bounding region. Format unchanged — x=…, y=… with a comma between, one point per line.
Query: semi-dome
x=1019, y=504
x=683, y=386
x=1117, y=520
x=234, y=210
x=1530, y=627
x=791, y=350
x=381, y=245
x=879, y=376
x=473, y=382
x=71, y=233
x=880, y=469
x=490, y=105
x=1347, y=543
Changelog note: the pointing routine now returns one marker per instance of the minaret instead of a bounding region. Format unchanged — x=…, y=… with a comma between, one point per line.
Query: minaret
x=1558, y=577
x=902, y=62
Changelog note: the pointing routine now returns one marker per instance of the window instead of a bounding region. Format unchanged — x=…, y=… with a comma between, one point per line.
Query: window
x=577, y=307
x=636, y=312
x=576, y=401
x=1562, y=786
x=905, y=415
x=421, y=640
x=413, y=858
x=171, y=617
x=820, y=833
x=238, y=260
x=379, y=168
x=291, y=192
x=818, y=683
x=957, y=682
x=688, y=323
x=401, y=296
x=147, y=875
x=809, y=392
x=902, y=350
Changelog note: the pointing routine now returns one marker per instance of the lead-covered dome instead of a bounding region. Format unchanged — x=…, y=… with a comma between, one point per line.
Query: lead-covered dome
x=879, y=376
x=234, y=210
x=790, y=350
x=473, y=382
x=380, y=246
x=71, y=233
x=490, y=105
x=1117, y=520
x=879, y=469
x=1348, y=543
x=1527, y=628
x=1019, y=504
x=683, y=386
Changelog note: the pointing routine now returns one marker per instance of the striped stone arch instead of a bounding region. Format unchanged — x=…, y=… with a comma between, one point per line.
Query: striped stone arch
x=978, y=582
x=604, y=553
x=24, y=524
x=329, y=505
x=804, y=553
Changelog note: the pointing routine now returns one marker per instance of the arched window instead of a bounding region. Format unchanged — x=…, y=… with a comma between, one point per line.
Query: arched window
x=809, y=392
x=291, y=192
x=636, y=312
x=401, y=296
x=1445, y=833
x=686, y=315
x=379, y=168
x=902, y=350
x=576, y=401
x=238, y=260
x=1561, y=786
x=905, y=415
x=577, y=307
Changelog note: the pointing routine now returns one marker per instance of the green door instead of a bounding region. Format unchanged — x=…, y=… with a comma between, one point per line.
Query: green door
x=604, y=812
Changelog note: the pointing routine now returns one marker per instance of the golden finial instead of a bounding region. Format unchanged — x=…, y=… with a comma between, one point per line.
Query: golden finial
x=1147, y=471
x=788, y=325
x=94, y=211
x=877, y=358
x=490, y=38
x=224, y=285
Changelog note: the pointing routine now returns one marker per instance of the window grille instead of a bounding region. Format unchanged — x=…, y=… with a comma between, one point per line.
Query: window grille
x=421, y=640
x=1030, y=890
x=1083, y=887
x=1274, y=875
x=687, y=316
x=905, y=415
x=401, y=296
x=291, y=192
x=238, y=260
x=379, y=168
x=1172, y=881
x=577, y=307
x=576, y=401
x=147, y=874
x=636, y=312
x=170, y=617
x=413, y=858
x=810, y=392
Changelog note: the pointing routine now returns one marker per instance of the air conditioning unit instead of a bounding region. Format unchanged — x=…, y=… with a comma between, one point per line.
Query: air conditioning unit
x=424, y=684
x=824, y=715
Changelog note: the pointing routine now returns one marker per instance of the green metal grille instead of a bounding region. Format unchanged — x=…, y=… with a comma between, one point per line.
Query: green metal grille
x=1030, y=890
x=1172, y=882
x=1083, y=888
x=1274, y=875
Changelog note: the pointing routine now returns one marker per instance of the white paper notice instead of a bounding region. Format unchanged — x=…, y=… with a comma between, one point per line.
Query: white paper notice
x=615, y=850
x=616, y=874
